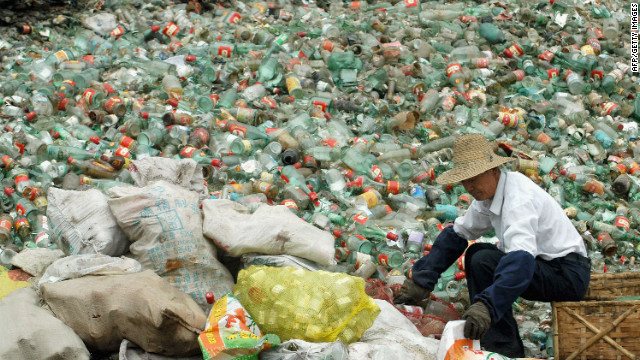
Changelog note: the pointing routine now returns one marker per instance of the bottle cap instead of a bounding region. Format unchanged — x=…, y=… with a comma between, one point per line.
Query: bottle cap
x=392, y=236
x=210, y=297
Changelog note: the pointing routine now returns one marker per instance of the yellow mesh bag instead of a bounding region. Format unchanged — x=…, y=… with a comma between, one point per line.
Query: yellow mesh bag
x=317, y=306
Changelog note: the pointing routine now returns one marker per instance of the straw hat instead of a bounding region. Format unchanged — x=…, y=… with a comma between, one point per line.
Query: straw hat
x=472, y=155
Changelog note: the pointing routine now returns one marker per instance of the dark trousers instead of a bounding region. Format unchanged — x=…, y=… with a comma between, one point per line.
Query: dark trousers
x=562, y=279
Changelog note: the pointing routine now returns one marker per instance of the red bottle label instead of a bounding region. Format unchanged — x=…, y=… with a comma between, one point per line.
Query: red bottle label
x=122, y=151
x=187, y=151
x=238, y=130
x=376, y=173
x=622, y=222
x=361, y=219
x=608, y=107
x=170, y=30
x=21, y=222
x=393, y=187
x=383, y=260
x=108, y=106
x=88, y=96
x=453, y=68
x=6, y=224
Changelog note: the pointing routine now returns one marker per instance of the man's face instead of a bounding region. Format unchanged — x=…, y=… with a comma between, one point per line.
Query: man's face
x=483, y=186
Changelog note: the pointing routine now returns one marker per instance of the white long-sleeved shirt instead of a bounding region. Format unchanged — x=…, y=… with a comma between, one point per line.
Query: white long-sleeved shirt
x=525, y=217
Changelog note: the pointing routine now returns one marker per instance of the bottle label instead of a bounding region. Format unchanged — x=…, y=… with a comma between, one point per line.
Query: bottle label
x=448, y=103
x=6, y=160
x=617, y=74
x=88, y=96
x=453, y=68
x=21, y=223
x=327, y=45
x=620, y=168
x=234, y=17
x=108, y=106
x=21, y=178
x=587, y=50
x=519, y=74
x=170, y=30
x=269, y=102
x=371, y=198
x=393, y=187
x=595, y=45
x=608, y=107
x=187, y=151
x=330, y=142
x=593, y=186
x=264, y=187
x=122, y=151
x=225, y=50
x=293, y=84
x=633, y=167
x=604, y=238
x=524, y=165
x=290, y=204
x=376, y=173
x=543, y=138
x=622, y=222
x=61, y=55
x=117, y=32
x=360, y=219
x=42, y=237
x=5, y=224
x=355, y=5
x=411, y=3
x=513, y=51
x=551, y=73
x=508, y=119
x=40, y=202
x=546, y=56
x=383, y=260
x=69, y=81
x=615, y=159
x=238, y=130
x=245, y=115
x=482, y=63
x=321, y=104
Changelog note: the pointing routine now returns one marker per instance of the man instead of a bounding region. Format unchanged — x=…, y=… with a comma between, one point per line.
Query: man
x=540, y=255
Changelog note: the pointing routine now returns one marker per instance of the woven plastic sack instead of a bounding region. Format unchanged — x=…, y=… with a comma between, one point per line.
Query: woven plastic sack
x=318, y=306
x=164, y=222
x=231, y=333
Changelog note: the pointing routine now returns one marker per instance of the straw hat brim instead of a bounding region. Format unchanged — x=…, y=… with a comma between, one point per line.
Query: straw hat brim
x=461, y=173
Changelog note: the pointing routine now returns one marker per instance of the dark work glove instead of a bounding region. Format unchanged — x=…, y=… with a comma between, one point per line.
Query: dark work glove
x=478, y=321
x=412, y=293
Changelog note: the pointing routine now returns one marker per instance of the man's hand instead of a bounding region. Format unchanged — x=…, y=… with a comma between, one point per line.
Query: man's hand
x=412, y=293
x=478, y=321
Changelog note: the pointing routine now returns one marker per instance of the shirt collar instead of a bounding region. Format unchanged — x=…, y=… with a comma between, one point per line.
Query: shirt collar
x=498, y=197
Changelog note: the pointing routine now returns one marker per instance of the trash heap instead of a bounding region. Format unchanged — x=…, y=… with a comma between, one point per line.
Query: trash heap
x=169, y=133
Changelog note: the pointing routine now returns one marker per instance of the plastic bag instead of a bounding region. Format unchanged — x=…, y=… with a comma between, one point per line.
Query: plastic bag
x=272, y=230
x=300, y=349
x=165, y=223
x=231, y=333
x=454, y=346
x=141, y=307
x=453, y=342
x=76, y=266
x=83, y=223
x=31, y=332
x=393, y=336
x=315, y=306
